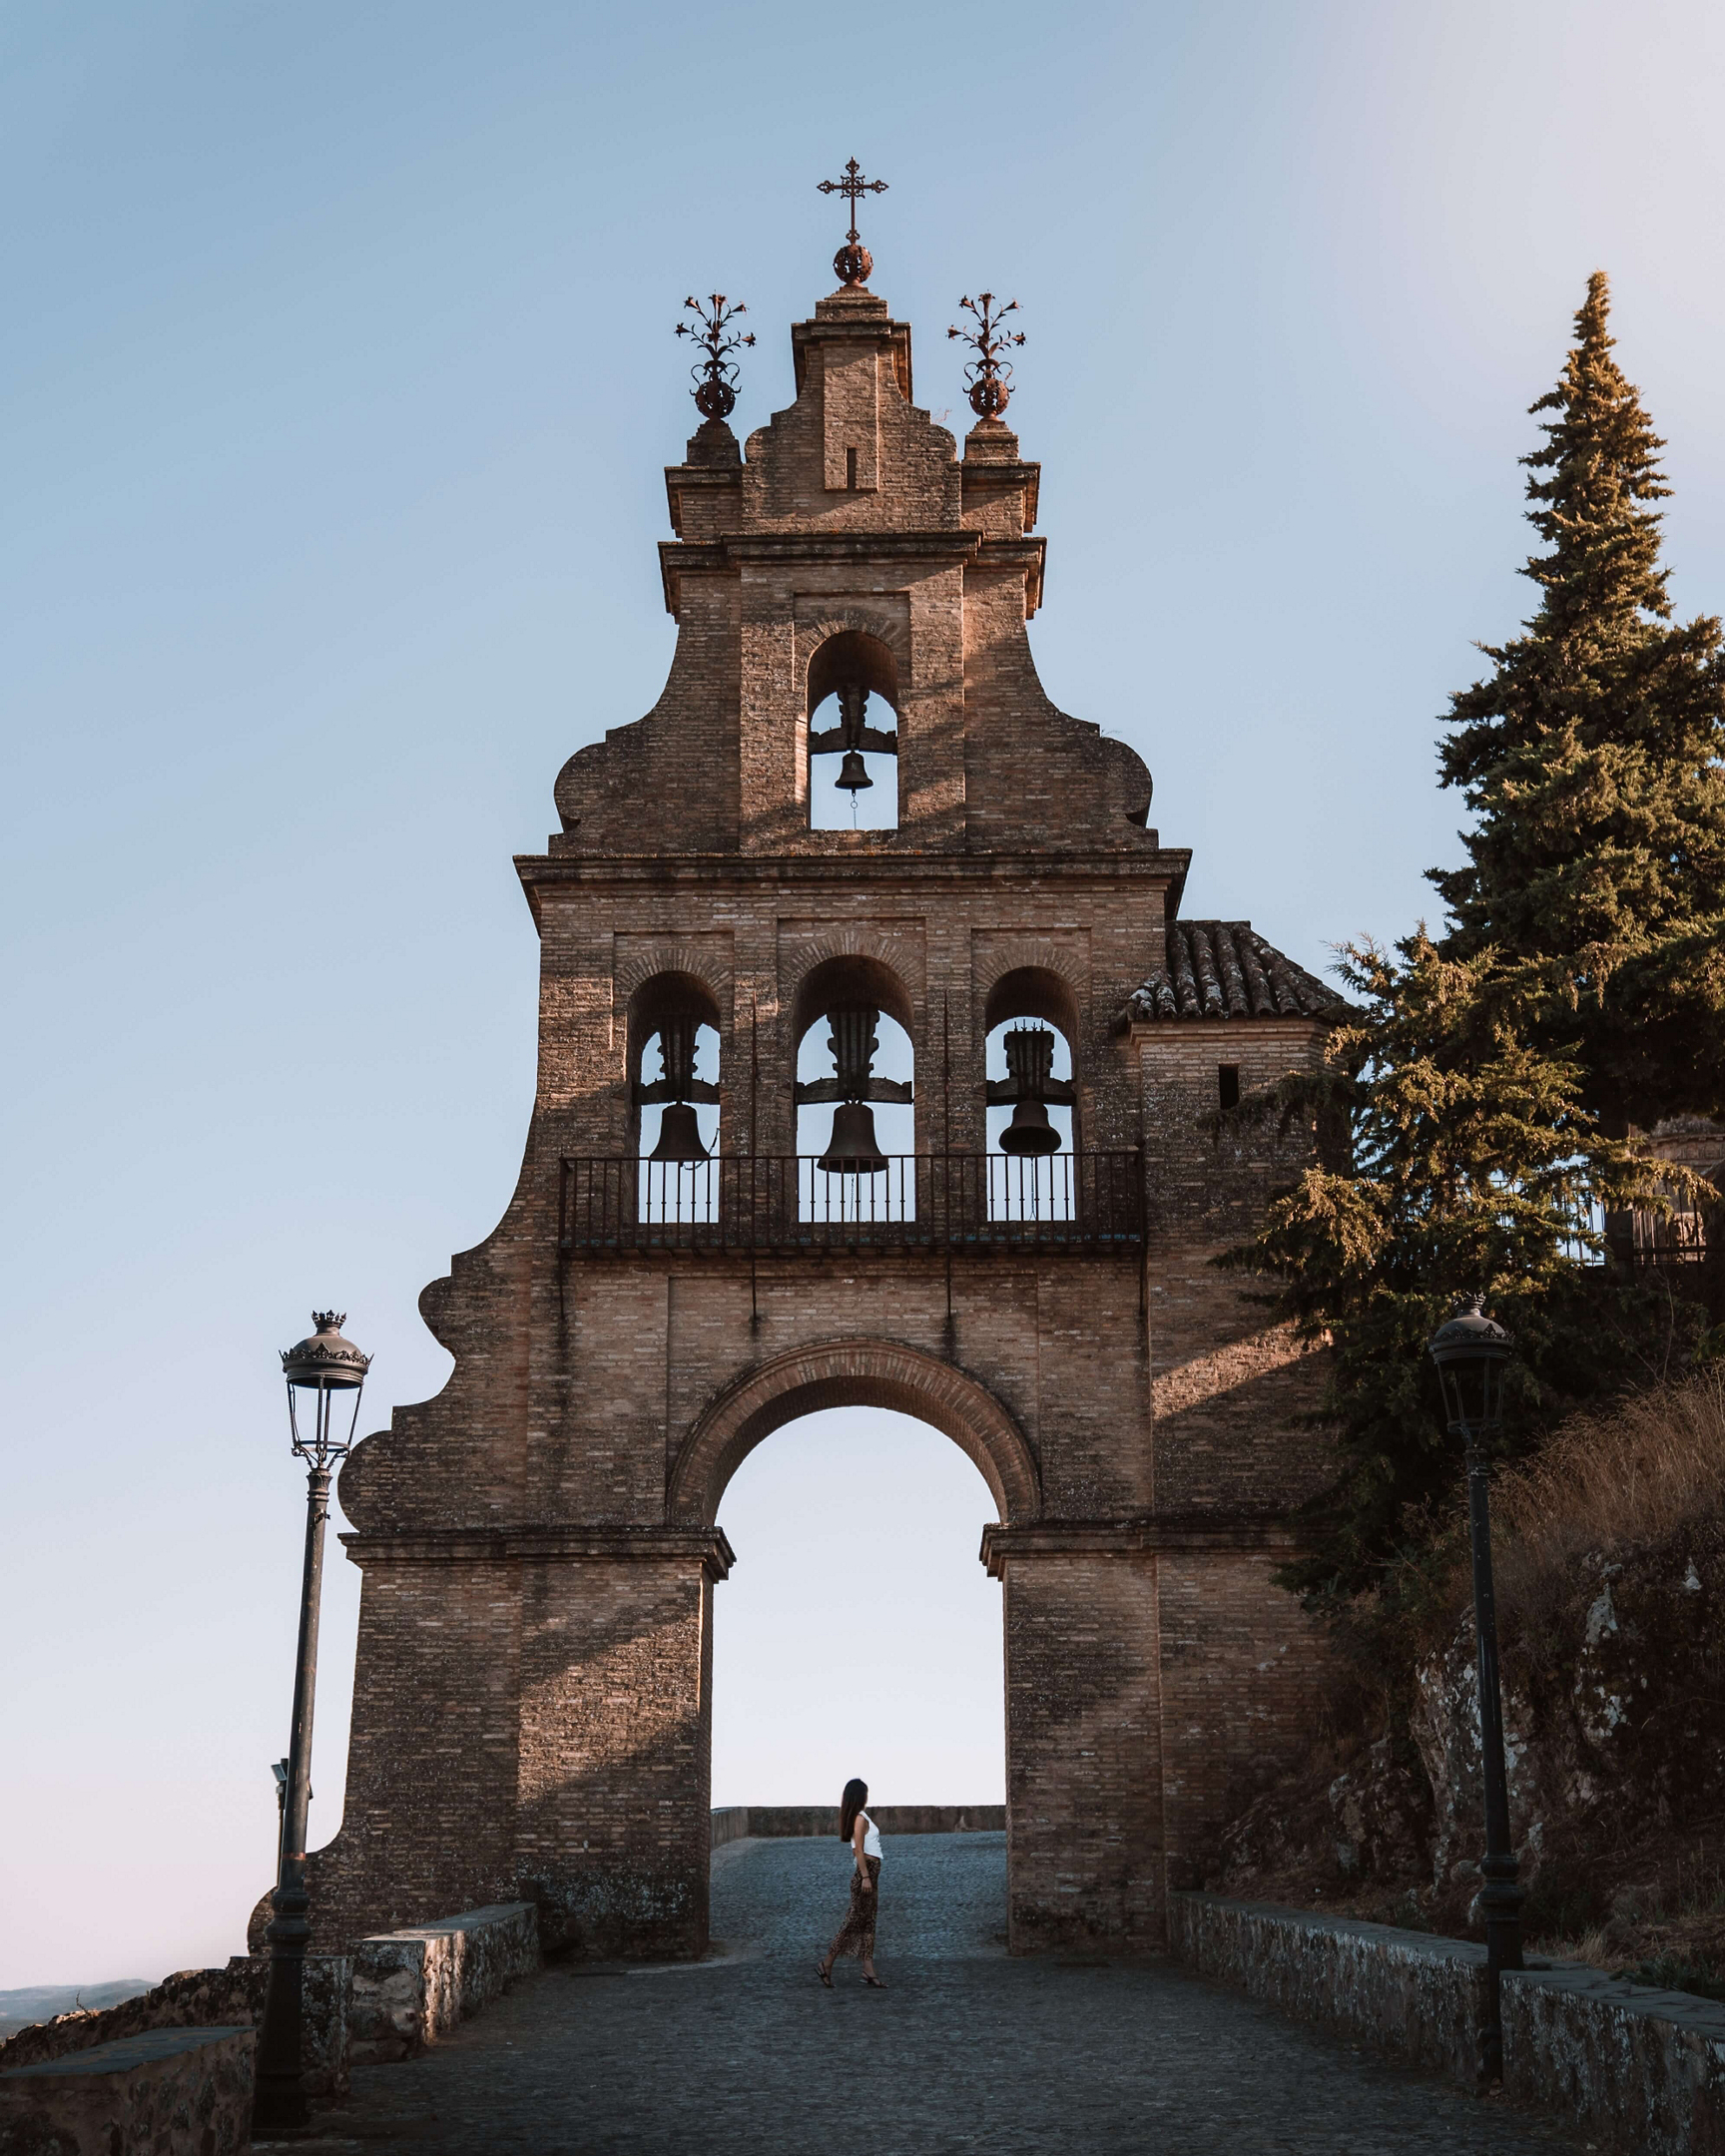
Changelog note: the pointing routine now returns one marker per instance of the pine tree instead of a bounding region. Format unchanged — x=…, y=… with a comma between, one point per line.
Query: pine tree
x=1457, y=1158
x=1593, y=758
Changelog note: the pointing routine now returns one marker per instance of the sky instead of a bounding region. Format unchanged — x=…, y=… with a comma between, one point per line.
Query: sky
x=337, y=379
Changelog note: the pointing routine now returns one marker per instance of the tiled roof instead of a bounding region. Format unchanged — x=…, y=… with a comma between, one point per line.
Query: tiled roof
x=1224, y=969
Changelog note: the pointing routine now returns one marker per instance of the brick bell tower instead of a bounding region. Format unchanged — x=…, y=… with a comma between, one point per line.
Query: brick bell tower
x=679, y=1271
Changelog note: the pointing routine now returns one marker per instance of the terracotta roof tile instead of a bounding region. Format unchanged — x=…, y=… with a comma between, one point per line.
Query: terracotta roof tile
x=1224, y=969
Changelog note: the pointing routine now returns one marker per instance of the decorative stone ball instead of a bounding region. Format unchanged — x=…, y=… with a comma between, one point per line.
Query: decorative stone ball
x=853, y=264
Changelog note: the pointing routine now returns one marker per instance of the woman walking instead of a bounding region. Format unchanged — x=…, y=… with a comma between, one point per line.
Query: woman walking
x=856, y=1932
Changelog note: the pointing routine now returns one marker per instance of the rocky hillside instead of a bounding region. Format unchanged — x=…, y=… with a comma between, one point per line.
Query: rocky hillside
x=1610, y=1553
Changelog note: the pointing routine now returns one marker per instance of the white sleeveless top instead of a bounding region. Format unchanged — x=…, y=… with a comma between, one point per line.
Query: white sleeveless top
x=871, y=1840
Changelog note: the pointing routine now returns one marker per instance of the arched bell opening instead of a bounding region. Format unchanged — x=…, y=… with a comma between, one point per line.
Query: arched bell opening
x=854, y=735
x=674, y=1097
x=1031, y=1021
x=855, y=1094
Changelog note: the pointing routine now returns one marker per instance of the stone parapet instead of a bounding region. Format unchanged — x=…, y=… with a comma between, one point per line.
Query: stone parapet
x=1639, y=2071
x=204, y=1998
x=1405, y=1994
x=1636, y=2071
x=172, y=2091
x=736, y=1822
x=411, y=1988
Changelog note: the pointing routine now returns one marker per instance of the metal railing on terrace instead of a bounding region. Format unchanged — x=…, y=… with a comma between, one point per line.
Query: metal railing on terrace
x=788, y=1202
x=1664, y=1239
x=1643, y=1238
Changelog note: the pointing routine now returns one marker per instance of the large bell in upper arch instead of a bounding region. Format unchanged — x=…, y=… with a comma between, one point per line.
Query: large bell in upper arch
x=679, y=1135
x=1030, y=1131
x=854, y=1148
x=853, y=773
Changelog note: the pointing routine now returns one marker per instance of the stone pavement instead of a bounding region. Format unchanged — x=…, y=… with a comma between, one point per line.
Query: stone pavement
x=968, y=2050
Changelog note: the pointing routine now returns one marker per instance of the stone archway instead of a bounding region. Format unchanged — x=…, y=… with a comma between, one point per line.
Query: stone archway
x=863, y=1371
x=852, y=1373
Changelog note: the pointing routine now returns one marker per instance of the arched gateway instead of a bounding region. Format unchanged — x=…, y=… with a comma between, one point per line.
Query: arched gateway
x=532, y=1706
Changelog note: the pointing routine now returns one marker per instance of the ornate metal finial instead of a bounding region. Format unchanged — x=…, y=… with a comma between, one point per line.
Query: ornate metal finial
x=715, y=391
x=329, y=1321
x=853, y=263
x=988, y=374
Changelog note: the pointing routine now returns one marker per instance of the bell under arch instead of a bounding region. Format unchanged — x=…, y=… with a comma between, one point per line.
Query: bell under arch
x=1030, y=1031
x=851, y=1028
x=854, y=1373
x=674, y=1024
x=853, y=777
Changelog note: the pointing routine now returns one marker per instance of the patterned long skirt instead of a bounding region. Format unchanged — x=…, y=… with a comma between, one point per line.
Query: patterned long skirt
x=856, y=1932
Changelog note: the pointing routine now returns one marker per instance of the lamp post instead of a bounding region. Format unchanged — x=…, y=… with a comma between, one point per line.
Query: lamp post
x=1471, y=1352
x=320, y=1367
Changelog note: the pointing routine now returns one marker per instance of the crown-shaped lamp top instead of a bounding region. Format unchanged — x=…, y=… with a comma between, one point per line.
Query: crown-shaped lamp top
x=325, y=1361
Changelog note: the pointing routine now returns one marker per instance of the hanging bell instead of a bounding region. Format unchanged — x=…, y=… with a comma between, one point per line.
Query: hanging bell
x=679, y=1135
x=853, y=773
x=854, y=1148
x=1030, y=1129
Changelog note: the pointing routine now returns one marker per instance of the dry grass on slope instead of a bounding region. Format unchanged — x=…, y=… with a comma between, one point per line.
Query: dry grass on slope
x=1633, y=1477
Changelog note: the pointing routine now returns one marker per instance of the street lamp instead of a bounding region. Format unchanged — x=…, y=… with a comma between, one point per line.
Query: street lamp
x=320, y=1367
x=1471, y=1352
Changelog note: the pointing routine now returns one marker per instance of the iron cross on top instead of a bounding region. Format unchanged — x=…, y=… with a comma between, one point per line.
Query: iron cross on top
x=852, y=187
x=853, y=260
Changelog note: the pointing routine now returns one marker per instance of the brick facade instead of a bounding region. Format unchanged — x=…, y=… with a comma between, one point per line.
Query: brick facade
x=532, y=1709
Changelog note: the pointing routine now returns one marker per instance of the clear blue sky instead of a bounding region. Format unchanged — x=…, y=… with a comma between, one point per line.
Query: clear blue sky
x=335, y=380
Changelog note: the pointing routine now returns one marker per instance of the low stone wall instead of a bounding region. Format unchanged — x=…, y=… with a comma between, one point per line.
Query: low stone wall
x=735, y=1820
x=411, y=1988
x=205, y=1998
x=172, y=2091
x=1641, y=2072
x=1405, y=1994
x=1638, y=2072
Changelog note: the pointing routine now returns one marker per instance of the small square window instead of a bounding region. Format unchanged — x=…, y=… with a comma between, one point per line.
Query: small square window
x=1227, y=1084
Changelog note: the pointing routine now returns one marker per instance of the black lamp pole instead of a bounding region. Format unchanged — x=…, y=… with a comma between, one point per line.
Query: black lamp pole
x=321, y=1365
x=1471, y=1352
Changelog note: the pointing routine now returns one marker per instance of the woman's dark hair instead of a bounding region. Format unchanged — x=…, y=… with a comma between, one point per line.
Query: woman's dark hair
x=855, y=1798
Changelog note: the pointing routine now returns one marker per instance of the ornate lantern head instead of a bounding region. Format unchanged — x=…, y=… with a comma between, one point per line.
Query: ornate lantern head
x=1471, y=1352
x=323, y=1363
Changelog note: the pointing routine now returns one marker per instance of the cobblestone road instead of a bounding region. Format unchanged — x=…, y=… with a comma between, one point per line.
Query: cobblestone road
x=968, y=2050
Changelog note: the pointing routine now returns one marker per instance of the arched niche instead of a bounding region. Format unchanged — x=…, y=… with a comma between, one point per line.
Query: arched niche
x=853, y=655
x=852, y=983
x=840, y=719
x=1033, y=992
x=659, y=1008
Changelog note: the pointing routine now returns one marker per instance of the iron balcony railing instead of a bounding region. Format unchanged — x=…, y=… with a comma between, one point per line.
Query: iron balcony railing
x=1642, y=1238
x=1664, y=1239
x=788, y=1202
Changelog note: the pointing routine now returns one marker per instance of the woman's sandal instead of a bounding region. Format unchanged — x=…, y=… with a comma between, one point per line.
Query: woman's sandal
x=825, y=1974
x=876, y=1981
